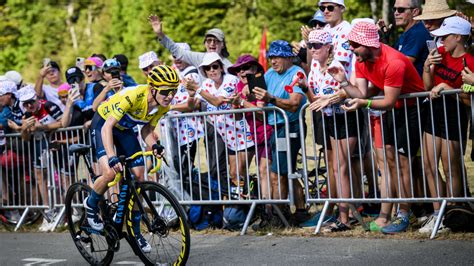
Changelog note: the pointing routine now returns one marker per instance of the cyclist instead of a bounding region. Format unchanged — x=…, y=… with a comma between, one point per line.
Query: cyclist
x=113, y=124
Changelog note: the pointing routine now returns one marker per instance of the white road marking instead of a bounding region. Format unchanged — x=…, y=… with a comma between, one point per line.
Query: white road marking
x=40, y=261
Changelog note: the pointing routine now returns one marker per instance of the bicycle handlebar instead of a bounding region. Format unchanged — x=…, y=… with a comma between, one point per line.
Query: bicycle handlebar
x=118, y=176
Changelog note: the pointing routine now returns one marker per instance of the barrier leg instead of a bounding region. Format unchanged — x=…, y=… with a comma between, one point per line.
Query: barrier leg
x=282, y=217
x=249, y=217
x=359, y=218
x=439, y=219
x=58, y=218
x=321, y=218
x=22, y=219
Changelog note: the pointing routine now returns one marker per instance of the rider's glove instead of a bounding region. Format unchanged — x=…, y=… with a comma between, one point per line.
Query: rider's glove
x=157, y=148
x=113, y=161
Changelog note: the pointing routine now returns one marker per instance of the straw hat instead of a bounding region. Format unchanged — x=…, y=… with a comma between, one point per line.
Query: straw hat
x=435, y=9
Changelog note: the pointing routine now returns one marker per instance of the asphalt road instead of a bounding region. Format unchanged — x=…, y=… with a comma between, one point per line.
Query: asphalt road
x=213, y=249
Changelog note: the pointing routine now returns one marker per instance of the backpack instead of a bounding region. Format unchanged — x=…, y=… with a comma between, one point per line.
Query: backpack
x=204, y=216
x=234, y=217
x=459, y=218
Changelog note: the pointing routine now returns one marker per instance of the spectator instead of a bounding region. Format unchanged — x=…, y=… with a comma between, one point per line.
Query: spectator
x=52, y=73
x=93, y=67
x=434, y=12
x=443, y=71
x=260, y=130
x=213, y=40
x=392, y=72
x=216, y=90
x=339, y=28
x=282, y=73
x=10, y=102
x=188, y=130
x=111, y=74
x=317, y=22
x=128, y=81
x=45, y=116
x=412, y=42
x=147, y=61
x=73, y=115
x=7, y=93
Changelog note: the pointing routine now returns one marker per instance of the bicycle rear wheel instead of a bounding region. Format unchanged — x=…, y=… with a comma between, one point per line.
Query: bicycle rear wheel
x=93, y=246
x=168, y=230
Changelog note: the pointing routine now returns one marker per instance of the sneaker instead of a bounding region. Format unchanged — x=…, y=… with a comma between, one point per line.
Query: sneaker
x=399, y=224
x=299, y=217
x=76, y=215
x=313, y=221
x=93, y=217
x=429, y=225
x=144, y=246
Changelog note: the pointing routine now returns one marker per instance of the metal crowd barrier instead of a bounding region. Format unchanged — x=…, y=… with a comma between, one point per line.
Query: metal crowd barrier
x=383, y=168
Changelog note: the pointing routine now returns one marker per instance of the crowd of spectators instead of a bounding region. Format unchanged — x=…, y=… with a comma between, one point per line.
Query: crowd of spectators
x=340, y=66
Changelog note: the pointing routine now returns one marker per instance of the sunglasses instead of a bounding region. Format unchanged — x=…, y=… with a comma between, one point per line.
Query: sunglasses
x=211, y=40
x=90, y=68
x=213, y=66
x=330, y=8
x=314, y=45
x=29, y=102
x=318, y=24
x=244, y=68
x=63, y=96
x=401, y=9
x=354, y=44
x=167, y=92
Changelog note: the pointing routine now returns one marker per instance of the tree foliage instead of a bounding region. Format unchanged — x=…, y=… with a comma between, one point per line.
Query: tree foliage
x=32, y=30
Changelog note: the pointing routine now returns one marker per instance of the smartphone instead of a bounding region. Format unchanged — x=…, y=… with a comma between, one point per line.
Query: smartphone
x=464, y=61
x=115, y=74
x=256, y=80
x=28, y=115
x=46, y=61
x=431, y=44
x=80, y=63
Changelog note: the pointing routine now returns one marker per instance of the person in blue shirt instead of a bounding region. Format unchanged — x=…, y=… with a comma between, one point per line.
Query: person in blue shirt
x=128, y=81
x=282, y=73
x=412, y=42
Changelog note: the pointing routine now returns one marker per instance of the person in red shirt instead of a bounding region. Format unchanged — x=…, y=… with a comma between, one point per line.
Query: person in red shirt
x=392, y=72
x=445, y=130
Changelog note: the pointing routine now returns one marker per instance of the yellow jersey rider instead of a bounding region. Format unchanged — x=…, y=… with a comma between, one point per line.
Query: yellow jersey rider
x=113, y=125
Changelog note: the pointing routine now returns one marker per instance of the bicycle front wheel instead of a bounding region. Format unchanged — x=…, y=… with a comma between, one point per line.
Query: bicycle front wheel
x=93, y=246
x=160, y=235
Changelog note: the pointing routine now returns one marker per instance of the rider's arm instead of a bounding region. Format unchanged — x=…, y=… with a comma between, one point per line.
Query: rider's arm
x=107, y=137
x=148, y=135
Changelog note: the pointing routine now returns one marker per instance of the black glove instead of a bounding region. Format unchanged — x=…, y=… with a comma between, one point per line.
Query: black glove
x=157, y=149
x=113, y=161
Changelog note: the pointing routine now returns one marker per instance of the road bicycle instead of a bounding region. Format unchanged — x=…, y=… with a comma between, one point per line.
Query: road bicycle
x=162, y=220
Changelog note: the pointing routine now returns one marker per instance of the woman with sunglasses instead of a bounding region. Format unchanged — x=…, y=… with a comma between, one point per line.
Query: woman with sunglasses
x=95, y=84
x=325, y=96
x=260, y=130
x=111, y=74
x=112, y=126
x=443, y=72
x=217, y=90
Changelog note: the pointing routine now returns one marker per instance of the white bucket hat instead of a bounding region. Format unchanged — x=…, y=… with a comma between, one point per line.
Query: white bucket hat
x=208, y=59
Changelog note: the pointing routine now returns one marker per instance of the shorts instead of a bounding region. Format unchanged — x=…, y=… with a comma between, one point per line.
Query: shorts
x=446, y=128
x=395, y=130
x=264, y=150
x=336, y=125
x=318, y=130
x=40, y=155
x=125, y=141
x=376, y=129
x=279, y=159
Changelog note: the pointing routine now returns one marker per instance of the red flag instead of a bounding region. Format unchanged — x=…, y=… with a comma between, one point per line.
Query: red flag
x=262, y=54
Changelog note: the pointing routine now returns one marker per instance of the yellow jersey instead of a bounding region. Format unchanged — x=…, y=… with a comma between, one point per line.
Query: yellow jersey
x=130, y=107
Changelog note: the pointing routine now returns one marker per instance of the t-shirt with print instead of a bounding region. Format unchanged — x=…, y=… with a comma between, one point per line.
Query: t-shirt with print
x=324, y=84
x=51, y=95
x=187, y=129
x=235, y=133
x=340, y=41
x=449, y=70
x=276, y=86
x=17, y=112
x=413, y=43
x=48, y=113
x=392, y=69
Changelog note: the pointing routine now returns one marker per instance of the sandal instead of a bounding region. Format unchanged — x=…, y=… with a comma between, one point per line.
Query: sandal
x=337, y=226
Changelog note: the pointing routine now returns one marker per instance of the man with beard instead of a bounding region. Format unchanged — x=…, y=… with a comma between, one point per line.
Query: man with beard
x=393, y=73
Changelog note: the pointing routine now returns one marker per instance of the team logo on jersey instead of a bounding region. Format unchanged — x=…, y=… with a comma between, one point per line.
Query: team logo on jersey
x=249, y=137
x=346, y=45
x=229, y=89
x=328, y=91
